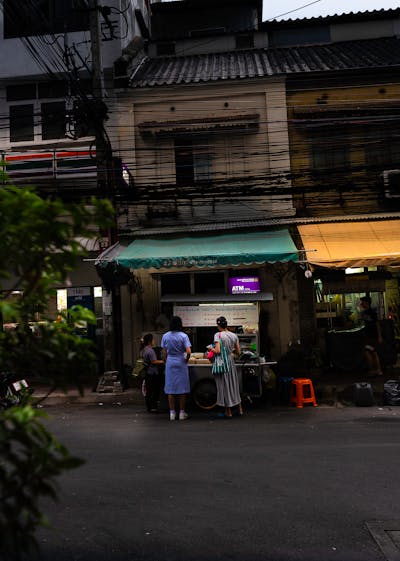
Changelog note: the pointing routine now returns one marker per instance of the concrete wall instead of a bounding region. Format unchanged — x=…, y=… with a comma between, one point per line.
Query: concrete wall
x=16, y=61
x=259, y=159
x=364, y=30
x=204, y=45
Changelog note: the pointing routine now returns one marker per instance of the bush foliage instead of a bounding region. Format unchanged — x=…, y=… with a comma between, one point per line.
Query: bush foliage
x=41, y=243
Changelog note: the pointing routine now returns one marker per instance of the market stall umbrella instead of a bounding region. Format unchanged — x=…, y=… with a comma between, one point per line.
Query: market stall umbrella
x=246, y=248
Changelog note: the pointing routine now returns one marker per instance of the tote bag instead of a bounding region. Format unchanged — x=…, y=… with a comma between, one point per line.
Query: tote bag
x=221, y=361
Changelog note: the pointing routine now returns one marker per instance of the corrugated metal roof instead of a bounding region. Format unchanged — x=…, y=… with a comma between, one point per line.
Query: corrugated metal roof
x=258, y=223
x=342, y=17
x=90, y=244
x=257, y=63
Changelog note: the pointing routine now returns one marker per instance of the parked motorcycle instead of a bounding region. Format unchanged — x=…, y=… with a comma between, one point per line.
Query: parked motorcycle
x=12, y=390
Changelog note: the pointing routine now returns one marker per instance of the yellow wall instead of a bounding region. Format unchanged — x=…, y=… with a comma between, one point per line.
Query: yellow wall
x=362, y=96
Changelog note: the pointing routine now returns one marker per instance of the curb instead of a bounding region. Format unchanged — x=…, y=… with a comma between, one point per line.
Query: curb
x=127, y=397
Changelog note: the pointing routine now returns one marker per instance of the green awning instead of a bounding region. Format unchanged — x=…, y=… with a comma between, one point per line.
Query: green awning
x=246, y=248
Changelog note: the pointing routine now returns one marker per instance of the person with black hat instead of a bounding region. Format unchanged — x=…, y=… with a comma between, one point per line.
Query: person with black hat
x=228, y=390
x=373, y=336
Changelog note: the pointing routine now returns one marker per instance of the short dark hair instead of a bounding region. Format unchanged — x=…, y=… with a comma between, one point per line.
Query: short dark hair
x=147, y=339
x=366, y=299
x=221, y=321
x=175, y=324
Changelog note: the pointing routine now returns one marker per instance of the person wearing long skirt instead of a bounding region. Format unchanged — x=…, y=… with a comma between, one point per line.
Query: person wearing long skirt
x=228, y=389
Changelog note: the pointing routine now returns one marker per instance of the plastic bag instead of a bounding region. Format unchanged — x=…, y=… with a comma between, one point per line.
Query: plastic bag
x=139, y=371
x=211, y=355
x=221, y=361
x=391, y=392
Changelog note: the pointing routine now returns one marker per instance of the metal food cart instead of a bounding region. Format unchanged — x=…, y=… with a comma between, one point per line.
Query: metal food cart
x=251, y=374
x=199, y=314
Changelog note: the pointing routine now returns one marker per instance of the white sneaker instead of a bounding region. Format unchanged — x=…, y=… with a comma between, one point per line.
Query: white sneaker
x=183, y=416
x=172, y=415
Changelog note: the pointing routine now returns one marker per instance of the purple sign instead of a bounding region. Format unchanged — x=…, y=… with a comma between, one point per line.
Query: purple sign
x=244, y=285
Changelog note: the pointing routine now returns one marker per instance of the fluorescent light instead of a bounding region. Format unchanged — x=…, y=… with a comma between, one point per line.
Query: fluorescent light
x=354, y=270
x=238, y=304
x=98, y=292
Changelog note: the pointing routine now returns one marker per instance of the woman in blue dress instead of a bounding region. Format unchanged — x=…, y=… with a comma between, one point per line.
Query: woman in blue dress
x=176, y=348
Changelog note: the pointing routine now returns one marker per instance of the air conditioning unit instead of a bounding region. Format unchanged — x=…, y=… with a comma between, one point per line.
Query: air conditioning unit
x=391, y=183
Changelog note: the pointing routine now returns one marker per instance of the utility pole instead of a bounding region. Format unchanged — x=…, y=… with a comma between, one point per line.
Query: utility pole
x=106, y=186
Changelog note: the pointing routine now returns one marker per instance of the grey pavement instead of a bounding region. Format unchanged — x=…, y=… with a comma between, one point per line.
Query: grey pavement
x=334, y=390
x=72, y=396
x=279, y=484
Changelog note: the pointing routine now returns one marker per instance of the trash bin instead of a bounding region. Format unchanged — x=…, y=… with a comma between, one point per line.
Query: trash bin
x=363, y=394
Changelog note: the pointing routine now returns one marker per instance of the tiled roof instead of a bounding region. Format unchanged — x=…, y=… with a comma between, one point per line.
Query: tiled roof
x=256, y=223
x=258, y=63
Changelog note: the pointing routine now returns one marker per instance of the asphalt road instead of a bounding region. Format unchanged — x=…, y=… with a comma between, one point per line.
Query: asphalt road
x=279, y=484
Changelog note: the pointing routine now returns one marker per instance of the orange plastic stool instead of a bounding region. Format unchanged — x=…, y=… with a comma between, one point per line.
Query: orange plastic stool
x=301, y=392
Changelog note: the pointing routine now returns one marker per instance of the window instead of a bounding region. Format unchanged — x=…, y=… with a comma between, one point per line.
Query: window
x=184, y=163
x=244, y=41
x=21, y=92
x=209, y=283
x=39, y=17
x=175, y=284
x=193, y=283
x=53, y=120
x=53, y=89
x=37, y=121
x=382, y=152
x=193, y=163
x=21, y=123
x=331, y=158
x=201, y=166
x=329, y=150
x=165, y=49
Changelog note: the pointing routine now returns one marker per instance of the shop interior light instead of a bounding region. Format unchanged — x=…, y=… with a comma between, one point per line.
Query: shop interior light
x=98, y=292
x=229, y=304
x=61, y=299
x=355, y=270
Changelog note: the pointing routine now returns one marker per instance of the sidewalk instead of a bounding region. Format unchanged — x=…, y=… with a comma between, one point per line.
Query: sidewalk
x=332, y=389
x=130, y=396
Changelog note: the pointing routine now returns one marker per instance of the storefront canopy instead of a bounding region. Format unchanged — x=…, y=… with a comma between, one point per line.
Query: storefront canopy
x=352, y=244
x=246, y=248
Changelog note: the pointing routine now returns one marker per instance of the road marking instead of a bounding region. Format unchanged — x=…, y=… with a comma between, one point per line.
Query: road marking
x=386, y=533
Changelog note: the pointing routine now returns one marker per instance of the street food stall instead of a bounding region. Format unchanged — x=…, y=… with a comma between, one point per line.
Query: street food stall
x=199, y=316
x=200, y=277
x=351, y=259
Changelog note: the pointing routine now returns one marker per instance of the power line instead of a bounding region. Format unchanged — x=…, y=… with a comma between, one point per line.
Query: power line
x=295, y=10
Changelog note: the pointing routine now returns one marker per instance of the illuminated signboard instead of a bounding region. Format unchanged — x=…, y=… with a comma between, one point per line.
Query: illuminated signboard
x=244, y=285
